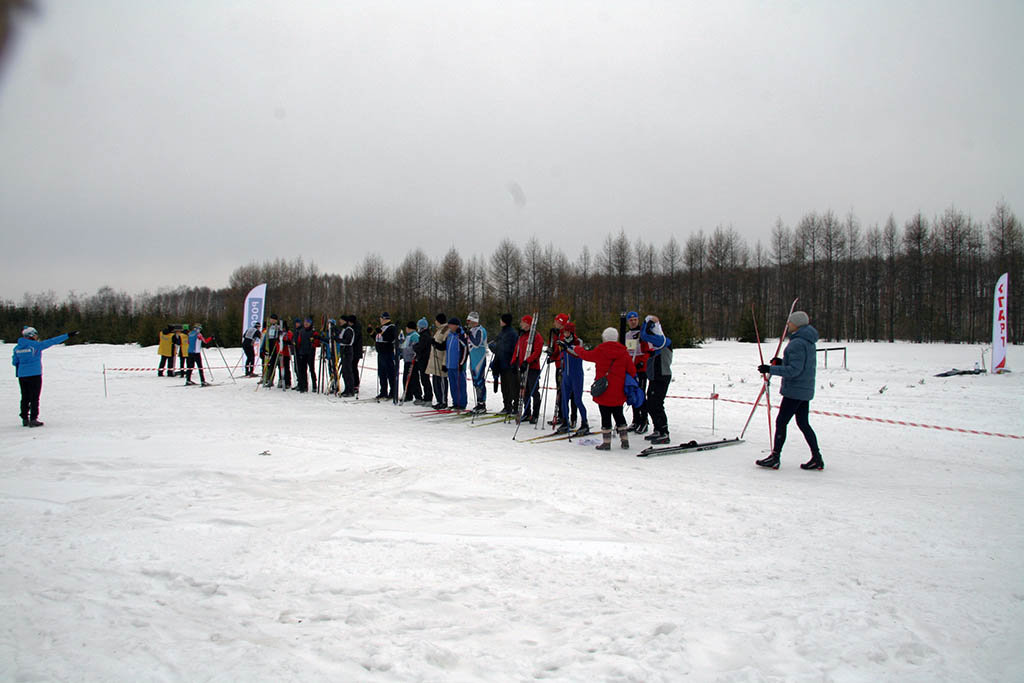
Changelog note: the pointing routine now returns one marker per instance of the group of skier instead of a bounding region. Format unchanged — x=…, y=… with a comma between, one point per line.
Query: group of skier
x=633, y=364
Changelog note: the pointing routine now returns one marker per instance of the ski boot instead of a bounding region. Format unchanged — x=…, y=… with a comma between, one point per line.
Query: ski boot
x=653, y=435
x=189, y=383
x=584, y=430
x=815, y=463
x=480, y=408
x=658, y=438
x=34, y=423
x=204, y=384
x=624, y=437
x=562, y=429
x=606, y=442
x=24, y=422
x=642, y=427
x=771, y=462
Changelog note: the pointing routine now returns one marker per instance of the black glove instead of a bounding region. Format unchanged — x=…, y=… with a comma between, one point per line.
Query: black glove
x=563, y=344
x=444, y=368
x=776, y=361
x=551, y=359
x=73, y=333
x=764, y=369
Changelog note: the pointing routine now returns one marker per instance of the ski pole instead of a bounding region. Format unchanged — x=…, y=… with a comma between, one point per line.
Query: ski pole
x=207, y=361
x=765, y=377
x=230, y=374
x=544, y=402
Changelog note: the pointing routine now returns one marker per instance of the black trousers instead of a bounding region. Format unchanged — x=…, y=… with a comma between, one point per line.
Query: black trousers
x=609, y=412
x=640, y=414
x=424, y=381
x=348, y=363
x=657, y=387
x=509, y=389
x=30, y=389
x=250, y=357
x=411, y=385
x=194, y=360
x=801, y=409
x=440, y=383
x=167, y=361
x=531, y=399
x=306, y=363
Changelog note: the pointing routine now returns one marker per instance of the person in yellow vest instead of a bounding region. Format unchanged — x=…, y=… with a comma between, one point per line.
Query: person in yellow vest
x=166, y=351
x=182, y=341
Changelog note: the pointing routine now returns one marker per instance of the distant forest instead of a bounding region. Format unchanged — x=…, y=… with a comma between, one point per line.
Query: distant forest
x=925, y=280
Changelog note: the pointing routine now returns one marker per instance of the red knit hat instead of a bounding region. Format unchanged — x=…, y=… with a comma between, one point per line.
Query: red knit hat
x=562, y=318
x=570, y=328
x=528, y=319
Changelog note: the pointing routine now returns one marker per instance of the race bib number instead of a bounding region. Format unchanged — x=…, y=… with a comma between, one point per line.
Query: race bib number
x=633, y=345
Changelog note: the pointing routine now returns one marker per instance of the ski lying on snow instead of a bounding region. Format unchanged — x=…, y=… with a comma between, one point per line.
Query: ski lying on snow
x=495, y=419
x=689, y=447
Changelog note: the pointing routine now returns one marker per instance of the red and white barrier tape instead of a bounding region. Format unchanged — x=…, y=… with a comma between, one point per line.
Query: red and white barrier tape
x=166, y=369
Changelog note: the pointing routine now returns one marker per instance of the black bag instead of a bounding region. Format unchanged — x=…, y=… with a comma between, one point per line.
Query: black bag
x=600, y=385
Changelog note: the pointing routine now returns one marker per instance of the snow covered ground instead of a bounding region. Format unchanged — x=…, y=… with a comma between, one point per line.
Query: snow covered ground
x=172, y=533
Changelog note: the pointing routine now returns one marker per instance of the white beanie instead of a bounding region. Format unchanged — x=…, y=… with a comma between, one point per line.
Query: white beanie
x=473, y=317
x=610, y=334
x=799, y=318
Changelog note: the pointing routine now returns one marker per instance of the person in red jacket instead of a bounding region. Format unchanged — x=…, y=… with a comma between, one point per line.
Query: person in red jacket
x=613, y=361
x=285, y=344
x=528, y=366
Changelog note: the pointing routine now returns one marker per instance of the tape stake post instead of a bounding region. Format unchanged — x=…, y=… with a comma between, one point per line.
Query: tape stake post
x=104, y=380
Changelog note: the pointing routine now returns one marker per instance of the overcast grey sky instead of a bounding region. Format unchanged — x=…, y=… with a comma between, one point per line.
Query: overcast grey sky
x=147, y=144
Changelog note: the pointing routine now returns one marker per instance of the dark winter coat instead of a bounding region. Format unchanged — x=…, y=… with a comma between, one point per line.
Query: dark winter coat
x=384, y=340
x=799, y=362
x=504, y=347
x=611, y=359
x=659, y=351
x=422, y=350
x=306, y=341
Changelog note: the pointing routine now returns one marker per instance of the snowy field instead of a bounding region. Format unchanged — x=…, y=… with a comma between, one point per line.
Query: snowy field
x=172, y=533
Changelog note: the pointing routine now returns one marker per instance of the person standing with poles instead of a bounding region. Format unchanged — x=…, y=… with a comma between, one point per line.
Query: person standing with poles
x=527, y=359
x=307, y=340
x=384, y=342
x=504, y=348
x=250, y=339
x=346, y=348
x=572, y=381
x=422, y=350
x=797, y=368
x=27, y=359
x=195, y=354
x=456, y=352
x=476, y=337
x=629, y=335
x=658, y=348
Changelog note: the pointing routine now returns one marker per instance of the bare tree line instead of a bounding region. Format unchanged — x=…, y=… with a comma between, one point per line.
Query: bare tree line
x=929, y=279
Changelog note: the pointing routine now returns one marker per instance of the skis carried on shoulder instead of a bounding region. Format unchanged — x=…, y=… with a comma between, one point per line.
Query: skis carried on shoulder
x=688, y=447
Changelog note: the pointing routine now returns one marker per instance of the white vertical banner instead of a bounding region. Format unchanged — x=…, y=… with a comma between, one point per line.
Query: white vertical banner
x=254, y=304
x=999, y=324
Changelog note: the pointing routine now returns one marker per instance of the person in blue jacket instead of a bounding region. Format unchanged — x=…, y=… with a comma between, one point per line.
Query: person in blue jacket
x=797, y=369
x=455, y=354
x=476, y=338
x=659, y=375
x=27, y=359
x=572, y=381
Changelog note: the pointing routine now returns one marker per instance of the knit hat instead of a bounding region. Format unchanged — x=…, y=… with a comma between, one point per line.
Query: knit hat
x=562, y=318
x=506, y=318
x=632, y=314
x=440, y=318
x=385, y=316
x=799, y=318
x=454, y=321
x=29, y=332
x=528, y=319
x=610, y=334
x=473, y=317
x=570, y=328
x=422, y=324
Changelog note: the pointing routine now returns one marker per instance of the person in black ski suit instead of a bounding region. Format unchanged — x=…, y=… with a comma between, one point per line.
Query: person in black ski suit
x=797, y=369
x=307, y=340
x=503, y=348
x=346, y=347
x=384, y=342
x=421, y=349
x=357, y=349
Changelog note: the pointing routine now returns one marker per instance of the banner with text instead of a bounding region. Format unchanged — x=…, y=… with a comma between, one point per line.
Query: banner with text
x=999, y=325
x=254, y=303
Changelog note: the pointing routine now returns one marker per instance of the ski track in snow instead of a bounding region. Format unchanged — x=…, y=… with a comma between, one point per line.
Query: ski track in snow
x=146, y=537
